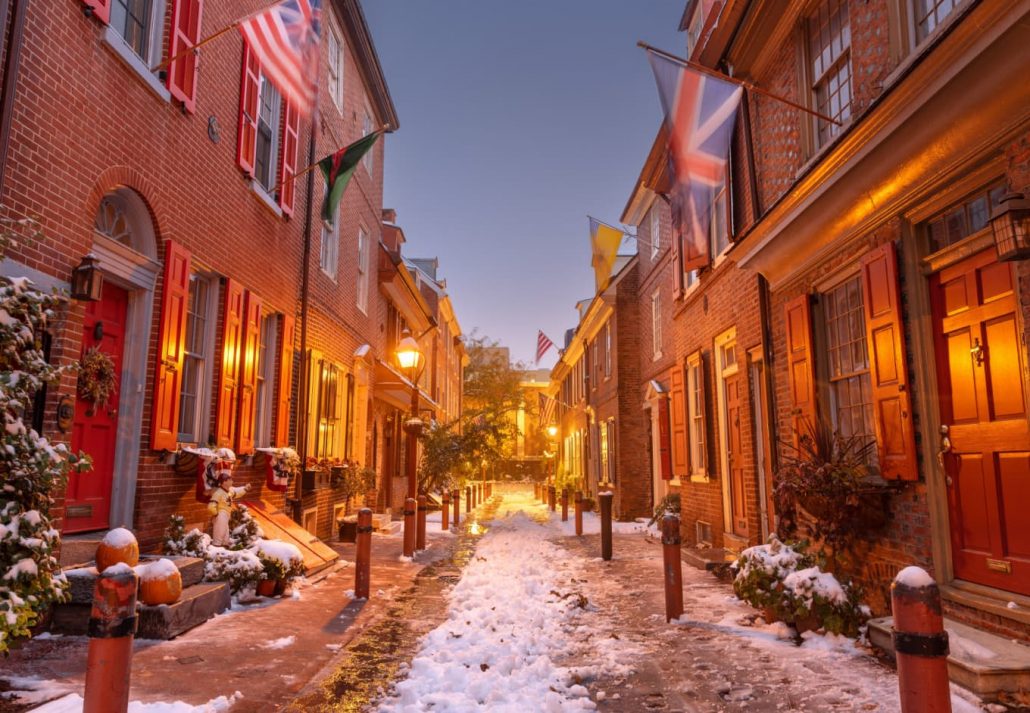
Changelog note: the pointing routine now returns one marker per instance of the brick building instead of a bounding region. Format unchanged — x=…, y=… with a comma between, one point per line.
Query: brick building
x=234, y=316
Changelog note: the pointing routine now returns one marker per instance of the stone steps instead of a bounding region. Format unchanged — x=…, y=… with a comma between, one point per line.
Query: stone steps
x=992, y=667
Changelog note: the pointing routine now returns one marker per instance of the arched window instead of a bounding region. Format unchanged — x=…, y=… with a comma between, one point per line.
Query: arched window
x=124, y=218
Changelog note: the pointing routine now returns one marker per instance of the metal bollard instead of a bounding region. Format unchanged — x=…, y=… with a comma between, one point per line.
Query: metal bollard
x=673, y=565
x=363, y=554
x=579, y=512
x=551, y=496
x=564, y=504
x=456, y=499
x=409, y=527
x=420, y=521
x=920, y=643
x=445, y=510
x=605, y=499
x=468, y=499
x=472, y=497
x=112, y=626
x=536, y=491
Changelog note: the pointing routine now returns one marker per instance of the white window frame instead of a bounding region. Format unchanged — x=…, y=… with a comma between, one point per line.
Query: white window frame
x=824, y=133
x=138, y=64
x=697, y=426
x=656, y=231
x=695, y=27
x=918, y=37
x=608, y=349
x=335, y=65
x=264, y=396
x=329, y=250
x=205, y=381
x=275, y=129
x=656, y=325
x=361, y=298
x=724, y=370
x=153, y=31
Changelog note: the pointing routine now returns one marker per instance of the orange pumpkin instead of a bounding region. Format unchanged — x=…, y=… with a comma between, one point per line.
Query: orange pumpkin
x=119, y=545
x=160, y=583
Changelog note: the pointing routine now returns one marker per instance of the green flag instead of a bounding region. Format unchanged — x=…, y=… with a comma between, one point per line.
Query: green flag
x=338, y=168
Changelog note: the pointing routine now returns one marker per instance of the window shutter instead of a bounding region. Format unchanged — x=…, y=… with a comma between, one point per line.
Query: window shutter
x=888, y=370
x=676, y=250
x=291, y=132
x=285, y=393
x=101, y=10
x=171, y=348
x=678, y=423
x=250, y=87
x=229, y=381
x=800, y=368
x=664, y=455
x=248, y=373
x=185, y=33
x=695, y=251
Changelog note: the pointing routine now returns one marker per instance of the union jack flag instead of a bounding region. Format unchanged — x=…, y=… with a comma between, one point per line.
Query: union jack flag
x=285, y=39
x=700, y=113
x=542, y=345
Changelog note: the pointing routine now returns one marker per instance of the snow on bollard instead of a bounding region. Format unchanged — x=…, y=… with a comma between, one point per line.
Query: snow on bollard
x=456, y=499
x=409, y=527
x=920, y=643
x=605, y=499
x=579, y=512
x=363, y=556
x=564, y=504
x=445, y=510
x=112, y=626
x=673, y=566
x=420, y=518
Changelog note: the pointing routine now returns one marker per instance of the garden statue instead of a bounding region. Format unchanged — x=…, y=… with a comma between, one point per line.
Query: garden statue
x=220, y=506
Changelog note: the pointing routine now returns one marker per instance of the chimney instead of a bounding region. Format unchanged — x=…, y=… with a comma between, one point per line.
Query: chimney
x=390, y=216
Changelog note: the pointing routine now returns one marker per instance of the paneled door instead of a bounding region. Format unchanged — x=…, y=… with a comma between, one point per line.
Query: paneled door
x=985, y=437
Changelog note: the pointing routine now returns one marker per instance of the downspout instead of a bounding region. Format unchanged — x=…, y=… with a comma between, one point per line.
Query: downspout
x=12, y=64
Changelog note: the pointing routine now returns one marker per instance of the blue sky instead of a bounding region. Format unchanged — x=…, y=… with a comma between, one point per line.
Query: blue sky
x=517, y=120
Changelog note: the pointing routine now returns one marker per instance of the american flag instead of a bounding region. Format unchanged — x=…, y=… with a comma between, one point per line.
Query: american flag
x=542, y=345
x=700, y=113
x=285, y=38
x=546, y=410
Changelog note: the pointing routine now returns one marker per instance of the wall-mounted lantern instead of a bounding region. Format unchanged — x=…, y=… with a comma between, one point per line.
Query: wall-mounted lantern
x=1010, y=223
x=87, y=280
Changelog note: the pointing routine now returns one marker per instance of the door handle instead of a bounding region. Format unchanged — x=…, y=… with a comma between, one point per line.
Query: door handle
x=945, y=448
x=977, y=352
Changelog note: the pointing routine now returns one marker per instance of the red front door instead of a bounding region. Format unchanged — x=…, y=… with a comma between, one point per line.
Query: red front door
x=88, y=500
x=986, y=456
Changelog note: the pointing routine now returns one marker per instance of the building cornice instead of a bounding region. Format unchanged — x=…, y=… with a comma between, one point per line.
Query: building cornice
x=361, y=42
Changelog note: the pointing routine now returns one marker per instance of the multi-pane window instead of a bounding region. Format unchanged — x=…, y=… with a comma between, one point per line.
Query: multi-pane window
x=335, y=67
x=608, y=348
x=363, y=252
x=366, y=128
x=329, y=255
x=697, y=23
x=656, y=324
x=851, y=403
x=197, y=352
x=719, y=225
x=134, y=21
x=929, y=14
x=961, y=220
x=267, y=152
x=656, y=231
x=696, y=415
x=328, y=410
x=265, y=378
x=603, y=443
x=829, y=58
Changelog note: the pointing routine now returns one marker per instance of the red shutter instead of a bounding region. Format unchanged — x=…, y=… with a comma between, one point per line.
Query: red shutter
x=250, y=87
x=664, y=456
x=677, y=262
x=888, y=370
x=282, y=420
x=229, y=381
x=171, y=341
x=695, y=251
x=678, y=423
x=101, y=9
x=291, y=133
x=185, y=33
x=248, y=373
x=800, y=368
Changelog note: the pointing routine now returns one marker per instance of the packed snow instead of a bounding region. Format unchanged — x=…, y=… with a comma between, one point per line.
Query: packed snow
x=73, y=704
x=119, y=537
x=157, y=569
x=914, y=577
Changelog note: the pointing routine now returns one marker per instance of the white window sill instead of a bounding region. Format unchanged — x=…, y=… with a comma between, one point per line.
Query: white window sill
x=657, y=356
x=700, y=478
x=675, y=483
x=117, y=44
x=265, y=197
x=328, y=274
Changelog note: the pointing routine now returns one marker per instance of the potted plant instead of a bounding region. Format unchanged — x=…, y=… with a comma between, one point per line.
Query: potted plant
x=281, y=563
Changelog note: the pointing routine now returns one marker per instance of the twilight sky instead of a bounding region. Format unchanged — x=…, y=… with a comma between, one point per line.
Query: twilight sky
x=517, y=120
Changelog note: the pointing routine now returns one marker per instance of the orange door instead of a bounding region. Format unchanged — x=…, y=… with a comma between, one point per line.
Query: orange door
x=735, y=456
x=94, y=430
x=986, y=450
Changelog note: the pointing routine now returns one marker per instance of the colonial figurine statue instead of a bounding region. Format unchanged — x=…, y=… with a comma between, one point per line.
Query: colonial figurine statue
x=220, y=506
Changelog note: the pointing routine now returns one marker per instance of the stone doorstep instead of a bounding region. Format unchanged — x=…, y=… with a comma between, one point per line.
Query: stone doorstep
x=707, y=559
x=83, y=577
x=981, y=662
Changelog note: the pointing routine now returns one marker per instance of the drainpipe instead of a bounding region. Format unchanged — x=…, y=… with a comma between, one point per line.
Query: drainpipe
x=12, y=64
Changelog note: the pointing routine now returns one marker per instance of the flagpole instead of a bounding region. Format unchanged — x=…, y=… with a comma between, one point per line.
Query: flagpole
x=312, y=166
x=210, y=38
x=623, y=231
x=733, y=80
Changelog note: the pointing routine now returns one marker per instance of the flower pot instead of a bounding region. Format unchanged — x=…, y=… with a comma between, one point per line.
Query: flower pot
x=308, y=479
x=280, y=587
x=809, y=623
x=769, y=614
x=266, y=587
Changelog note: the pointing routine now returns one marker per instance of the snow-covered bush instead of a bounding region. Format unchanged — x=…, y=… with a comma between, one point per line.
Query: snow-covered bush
x=237, y=567
x=281, y=560
x=784, y=581
x=185, y=544
x=244, y=530
x=30, y=578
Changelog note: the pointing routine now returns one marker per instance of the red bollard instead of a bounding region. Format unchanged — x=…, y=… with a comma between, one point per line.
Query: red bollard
x=579, y=512
x=673, y=565
x=920, y=643
x=564, y=504
x=536, y=491
x=112, y=626
x=551, y=496
x=409, y=527
x=363, y=554
x=605, y=499
x=468, y=499
x=420, y=520
x=456, y=499
x=445, y=510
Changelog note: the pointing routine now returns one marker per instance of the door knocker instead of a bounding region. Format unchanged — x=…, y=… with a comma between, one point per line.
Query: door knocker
x=977, y=351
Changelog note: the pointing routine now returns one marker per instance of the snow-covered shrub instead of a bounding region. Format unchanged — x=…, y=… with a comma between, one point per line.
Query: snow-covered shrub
x=784, y=581
x=30, y=578
x=185, y=544
x=244, y=530
x=237, y=567
x=281, y=560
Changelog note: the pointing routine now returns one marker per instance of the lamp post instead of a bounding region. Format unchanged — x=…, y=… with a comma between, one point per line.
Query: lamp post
x=411, y=361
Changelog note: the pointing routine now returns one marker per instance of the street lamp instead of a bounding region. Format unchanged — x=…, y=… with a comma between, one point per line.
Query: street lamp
x=412, y=362
x=552, y=431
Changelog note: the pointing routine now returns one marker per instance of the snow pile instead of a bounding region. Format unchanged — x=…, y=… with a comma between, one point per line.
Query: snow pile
x=73, y=704
x=278, y=550
x=119, y=537
x=808, y=584
x=281, y=643
x=157, y=570
x=914, y=577
x=774, y=559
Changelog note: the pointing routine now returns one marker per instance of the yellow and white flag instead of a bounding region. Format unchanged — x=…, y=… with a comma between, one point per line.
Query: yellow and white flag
x=604, y=246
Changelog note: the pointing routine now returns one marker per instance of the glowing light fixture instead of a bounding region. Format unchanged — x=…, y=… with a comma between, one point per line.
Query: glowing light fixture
x=1010, y=223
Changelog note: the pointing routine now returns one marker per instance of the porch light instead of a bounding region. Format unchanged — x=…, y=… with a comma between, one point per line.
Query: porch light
x=408, y=353
x=87, y=280
x=552, y=431
x=1010, y=223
